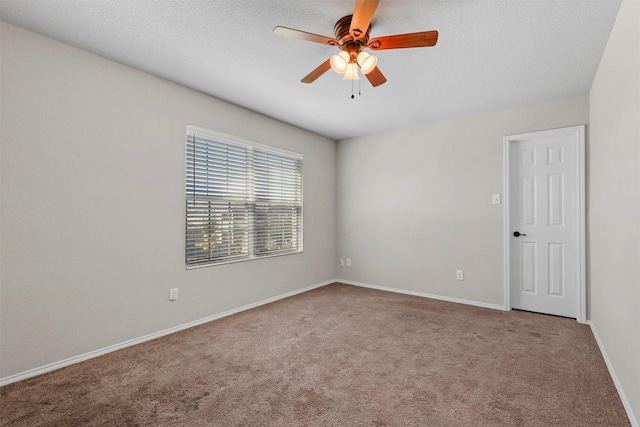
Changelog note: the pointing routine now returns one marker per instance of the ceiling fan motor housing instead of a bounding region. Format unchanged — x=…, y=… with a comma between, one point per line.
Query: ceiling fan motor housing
x=347, y=42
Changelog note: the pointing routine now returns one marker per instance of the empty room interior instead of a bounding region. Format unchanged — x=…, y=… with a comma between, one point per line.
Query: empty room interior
x=343, y=212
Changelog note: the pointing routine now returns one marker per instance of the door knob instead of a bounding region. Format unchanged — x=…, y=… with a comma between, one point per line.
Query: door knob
x=518, y=234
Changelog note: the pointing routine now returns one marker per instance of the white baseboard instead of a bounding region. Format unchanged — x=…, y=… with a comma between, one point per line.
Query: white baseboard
x=424, y=295
x=614, y=377
x=90, y=355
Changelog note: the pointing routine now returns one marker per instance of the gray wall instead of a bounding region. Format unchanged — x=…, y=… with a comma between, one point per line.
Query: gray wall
x=414, y=205
x=614, y=211
x=92, y=214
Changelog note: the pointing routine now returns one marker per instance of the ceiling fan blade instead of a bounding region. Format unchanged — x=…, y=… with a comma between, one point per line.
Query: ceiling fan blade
x=361, y=19
x=401, y=41
x=303, y=35
x=375, y=77
x=312, y=76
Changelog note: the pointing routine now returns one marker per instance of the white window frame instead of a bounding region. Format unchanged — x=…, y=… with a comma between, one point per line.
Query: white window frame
x=250, y=198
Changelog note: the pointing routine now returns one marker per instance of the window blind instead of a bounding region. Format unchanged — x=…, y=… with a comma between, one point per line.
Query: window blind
x=243, y=201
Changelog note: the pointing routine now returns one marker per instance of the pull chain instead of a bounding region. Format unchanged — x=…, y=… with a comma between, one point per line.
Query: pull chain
x=359, y=88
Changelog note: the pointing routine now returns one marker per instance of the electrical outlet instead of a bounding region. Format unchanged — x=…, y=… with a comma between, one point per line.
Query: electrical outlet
x=348, y=262
x=459, y=274
x=341, y=262
x=173, y=294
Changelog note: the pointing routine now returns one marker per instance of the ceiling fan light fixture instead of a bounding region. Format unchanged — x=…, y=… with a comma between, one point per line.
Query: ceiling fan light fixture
x=352, y=36
x=352, y=72
x=339, y=62
x=367, y=62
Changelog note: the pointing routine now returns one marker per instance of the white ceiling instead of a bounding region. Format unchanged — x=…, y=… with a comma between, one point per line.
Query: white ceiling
x=490, y=54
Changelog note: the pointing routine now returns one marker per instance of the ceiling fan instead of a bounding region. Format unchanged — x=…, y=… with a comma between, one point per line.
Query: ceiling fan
x=352, y=37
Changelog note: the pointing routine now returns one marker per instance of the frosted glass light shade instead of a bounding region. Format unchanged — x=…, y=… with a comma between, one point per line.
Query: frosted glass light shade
x=367, y=62
x=339, y=62
x=352, y=72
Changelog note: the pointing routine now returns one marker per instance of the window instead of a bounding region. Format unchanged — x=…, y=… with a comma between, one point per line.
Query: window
x=244, y=200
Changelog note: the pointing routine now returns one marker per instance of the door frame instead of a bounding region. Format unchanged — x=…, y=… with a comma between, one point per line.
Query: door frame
x=578, y=132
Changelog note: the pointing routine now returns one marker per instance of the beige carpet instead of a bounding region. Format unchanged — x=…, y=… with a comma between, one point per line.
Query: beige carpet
x=338, y=356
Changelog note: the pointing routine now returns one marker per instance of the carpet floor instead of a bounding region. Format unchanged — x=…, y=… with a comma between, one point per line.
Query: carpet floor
x=338, y=356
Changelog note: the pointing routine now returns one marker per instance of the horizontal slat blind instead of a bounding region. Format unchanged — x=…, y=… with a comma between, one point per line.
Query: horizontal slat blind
x=242, y=202
x=277, y=183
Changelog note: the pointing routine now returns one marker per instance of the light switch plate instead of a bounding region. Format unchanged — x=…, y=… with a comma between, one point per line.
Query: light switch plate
x=496, y=199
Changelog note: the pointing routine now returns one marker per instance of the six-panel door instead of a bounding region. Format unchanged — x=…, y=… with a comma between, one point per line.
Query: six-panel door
x=543, y=209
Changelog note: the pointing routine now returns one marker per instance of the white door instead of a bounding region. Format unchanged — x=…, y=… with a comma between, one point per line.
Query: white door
x=545, y=233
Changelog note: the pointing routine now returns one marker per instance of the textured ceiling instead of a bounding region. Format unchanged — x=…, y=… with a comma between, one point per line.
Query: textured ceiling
x=490, y=54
